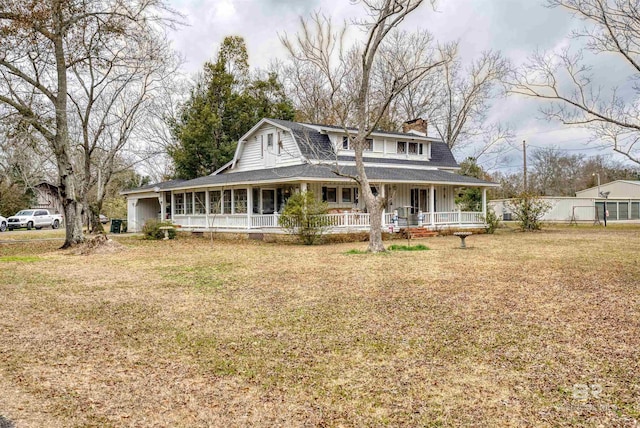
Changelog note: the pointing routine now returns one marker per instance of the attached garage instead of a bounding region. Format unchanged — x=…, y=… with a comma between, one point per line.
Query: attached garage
x=148, y=202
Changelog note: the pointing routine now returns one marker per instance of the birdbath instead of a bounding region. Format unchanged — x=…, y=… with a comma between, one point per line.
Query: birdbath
x=462, y=236
x=166, y=230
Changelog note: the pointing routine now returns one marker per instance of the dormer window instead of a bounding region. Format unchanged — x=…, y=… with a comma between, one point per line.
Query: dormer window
x=368, y=145
x=345, y=143
x=413, y=148
x=402, y=147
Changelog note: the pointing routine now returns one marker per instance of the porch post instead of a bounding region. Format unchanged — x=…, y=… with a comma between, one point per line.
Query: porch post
x=432, y=204
x=484, y=202
x=303, y=187
x=207, y=204
x=173, y=207
x=249, y=206
x=384, y=194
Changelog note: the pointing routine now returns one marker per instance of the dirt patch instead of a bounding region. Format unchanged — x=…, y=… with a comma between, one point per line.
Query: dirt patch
x=101, y=244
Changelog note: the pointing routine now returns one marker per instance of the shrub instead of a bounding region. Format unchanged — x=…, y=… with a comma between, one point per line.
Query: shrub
x=492, y=220
x=303, y=216
x=528, y=210
x=151, y=229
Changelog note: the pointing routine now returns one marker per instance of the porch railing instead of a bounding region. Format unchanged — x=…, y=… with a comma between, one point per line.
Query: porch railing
x=346, y=219
x=338, y=220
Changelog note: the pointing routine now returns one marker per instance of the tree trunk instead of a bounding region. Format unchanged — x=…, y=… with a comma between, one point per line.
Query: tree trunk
x=372, y=202
x=375, y=233
x=61, y=147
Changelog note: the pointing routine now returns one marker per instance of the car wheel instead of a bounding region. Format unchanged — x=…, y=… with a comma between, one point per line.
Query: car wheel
x=30, y=225
x=3, y=226
x=55, y=225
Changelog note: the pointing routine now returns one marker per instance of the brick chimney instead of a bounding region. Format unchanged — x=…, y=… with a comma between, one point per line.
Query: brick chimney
x=418, y=125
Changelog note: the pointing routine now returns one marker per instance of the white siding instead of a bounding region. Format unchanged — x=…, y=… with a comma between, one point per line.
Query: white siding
x=617, y=189
x=255, y=154
x=562, y=209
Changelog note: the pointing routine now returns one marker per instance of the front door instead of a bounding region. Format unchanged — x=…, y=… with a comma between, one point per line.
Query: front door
x=419, y=200
x=268, y=201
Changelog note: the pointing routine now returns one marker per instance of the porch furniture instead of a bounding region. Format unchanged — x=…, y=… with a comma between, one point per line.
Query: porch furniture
x=462, y=236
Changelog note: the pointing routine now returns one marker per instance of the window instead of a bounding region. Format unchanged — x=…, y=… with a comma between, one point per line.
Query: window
x=374, y=190
x=240, y=201
x=215, y=207
x=279, y=145
x=346, y=194
x=329, y=194
x=179, y=201
x=261, y=146
x=402, y=147
x=345, y=142
x=200, y=203
x=421, y=148
x=413, y=148
x=368, y=145
x=188, y=203
x=270, y=142
x=226, y=202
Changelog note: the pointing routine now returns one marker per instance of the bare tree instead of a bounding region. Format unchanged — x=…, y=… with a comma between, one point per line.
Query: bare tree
x=110, y=98
x=456, y=101
x=566, y=81
x=40, y=44
x=365, y=80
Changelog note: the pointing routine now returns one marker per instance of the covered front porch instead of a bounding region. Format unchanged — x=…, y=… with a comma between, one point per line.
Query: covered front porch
x=256, y=209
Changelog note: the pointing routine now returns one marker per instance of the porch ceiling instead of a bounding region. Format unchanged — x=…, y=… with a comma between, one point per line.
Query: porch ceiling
x=310, y=172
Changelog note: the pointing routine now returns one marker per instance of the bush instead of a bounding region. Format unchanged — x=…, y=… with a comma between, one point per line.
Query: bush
x=303, y=216
x=151, y=229
x=528, y=210
x=492, y=220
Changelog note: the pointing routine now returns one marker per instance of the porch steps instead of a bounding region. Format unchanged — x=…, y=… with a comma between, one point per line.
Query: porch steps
x=417, y=232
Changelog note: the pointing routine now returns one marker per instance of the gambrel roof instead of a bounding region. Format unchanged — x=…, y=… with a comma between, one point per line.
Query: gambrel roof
x=314, y=144
x=319, y=162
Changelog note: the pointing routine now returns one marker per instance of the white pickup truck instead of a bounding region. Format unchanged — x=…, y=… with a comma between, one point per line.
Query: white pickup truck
x=36, y=218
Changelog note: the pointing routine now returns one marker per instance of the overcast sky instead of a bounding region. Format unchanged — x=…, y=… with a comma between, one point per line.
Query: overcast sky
x=515, y=27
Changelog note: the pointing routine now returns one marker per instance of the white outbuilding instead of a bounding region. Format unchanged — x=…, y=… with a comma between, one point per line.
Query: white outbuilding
x=622, y=199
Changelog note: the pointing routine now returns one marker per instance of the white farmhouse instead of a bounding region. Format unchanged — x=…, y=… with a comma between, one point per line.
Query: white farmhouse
x=277, y=158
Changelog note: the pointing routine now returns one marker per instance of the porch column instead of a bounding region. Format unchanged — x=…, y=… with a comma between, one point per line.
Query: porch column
x=432, y=204
x=207, y=210
x=161, y=201
x=484, y=202
x=249, y=206
x=303, y=187
x=173, y=206
x=383, y=192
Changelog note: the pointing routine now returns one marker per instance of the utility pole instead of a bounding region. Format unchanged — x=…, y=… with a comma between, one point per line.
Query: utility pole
x=524, y=156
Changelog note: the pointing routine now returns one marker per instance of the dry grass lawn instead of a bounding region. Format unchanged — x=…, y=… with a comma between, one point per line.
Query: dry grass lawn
x=538, y=329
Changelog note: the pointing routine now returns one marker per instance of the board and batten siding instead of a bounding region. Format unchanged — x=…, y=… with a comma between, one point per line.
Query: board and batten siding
x=256, y=155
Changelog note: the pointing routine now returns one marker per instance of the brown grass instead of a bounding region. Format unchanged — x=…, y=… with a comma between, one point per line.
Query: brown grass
x=184, y=333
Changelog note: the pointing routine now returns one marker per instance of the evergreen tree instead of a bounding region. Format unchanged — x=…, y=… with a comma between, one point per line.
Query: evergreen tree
x=224, y=105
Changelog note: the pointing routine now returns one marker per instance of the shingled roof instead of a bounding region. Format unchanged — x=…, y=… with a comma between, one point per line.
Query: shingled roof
x=328, y=172
x=317, y=146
